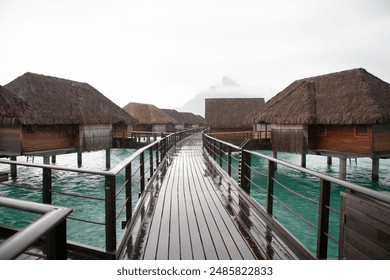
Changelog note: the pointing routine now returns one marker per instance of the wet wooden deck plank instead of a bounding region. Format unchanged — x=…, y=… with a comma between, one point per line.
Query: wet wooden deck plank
x=235, y=243
x=195, y=218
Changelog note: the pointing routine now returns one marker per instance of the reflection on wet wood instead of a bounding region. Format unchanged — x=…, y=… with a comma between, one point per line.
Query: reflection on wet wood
x=192, y=213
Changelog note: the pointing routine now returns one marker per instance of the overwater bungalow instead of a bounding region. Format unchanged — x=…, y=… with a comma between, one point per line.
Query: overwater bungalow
x=11, y=108
x=228, y=115
x=344, y=114
x=150, y=118
x=185, y=119
x=63, y=116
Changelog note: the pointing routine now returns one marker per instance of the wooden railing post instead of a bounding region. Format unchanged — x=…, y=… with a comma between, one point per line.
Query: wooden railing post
x=220, y=153
x=142, y=171
x=270, y=187
x=46, y=182
x=214, y=150
x=323, y=220
x=56, y=242
x=129, y=204
x=157, y=155
x=230, y=161
x=110, y=208
x=245, y=171
x=151, y=170
x=163, y=148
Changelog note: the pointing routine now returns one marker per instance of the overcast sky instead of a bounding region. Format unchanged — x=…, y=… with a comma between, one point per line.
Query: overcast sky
x=164, y=52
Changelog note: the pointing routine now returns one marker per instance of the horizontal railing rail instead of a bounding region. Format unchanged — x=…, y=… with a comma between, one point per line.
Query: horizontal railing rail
x=225, y=153
x=123, y=185
x=52, y=222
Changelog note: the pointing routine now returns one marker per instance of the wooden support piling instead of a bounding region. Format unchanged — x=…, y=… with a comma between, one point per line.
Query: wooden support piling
x=46, y=182
x=303, y=160
x=13, y=168
x=375, y=169
x=343, y=168
x=79, y=159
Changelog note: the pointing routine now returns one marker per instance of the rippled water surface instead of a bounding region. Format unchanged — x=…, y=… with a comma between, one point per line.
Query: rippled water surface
x=93, y=234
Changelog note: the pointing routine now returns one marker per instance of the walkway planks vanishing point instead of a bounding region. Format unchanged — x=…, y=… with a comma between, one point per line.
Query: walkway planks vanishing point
x=198, y=216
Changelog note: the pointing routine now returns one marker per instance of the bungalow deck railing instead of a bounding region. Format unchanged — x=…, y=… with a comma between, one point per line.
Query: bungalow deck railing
x=259, y=175
x=121, y=188
x=52, y=222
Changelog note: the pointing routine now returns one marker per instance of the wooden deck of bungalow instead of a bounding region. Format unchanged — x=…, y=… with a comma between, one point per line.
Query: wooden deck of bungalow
x=197, y=215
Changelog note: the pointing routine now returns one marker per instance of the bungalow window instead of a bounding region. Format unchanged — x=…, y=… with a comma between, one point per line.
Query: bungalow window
x=321, y=130
x=30, y=129
x=361, y=130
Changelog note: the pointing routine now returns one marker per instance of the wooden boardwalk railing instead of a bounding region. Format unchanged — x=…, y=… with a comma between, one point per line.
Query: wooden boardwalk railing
x=195, y=217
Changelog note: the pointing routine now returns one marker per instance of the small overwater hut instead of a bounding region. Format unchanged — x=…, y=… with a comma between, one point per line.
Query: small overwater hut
x=344, y=114
x=185, y=120
x=11, y=108
x=227, y=116
x=64, y=116
x=150, y=118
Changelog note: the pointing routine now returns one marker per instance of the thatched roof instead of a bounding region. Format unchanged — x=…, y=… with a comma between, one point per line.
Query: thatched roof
x=186, y=118
x=148, y=114
x=230, y=112
x=348, y=97
x=10, y=105
x=60, y=101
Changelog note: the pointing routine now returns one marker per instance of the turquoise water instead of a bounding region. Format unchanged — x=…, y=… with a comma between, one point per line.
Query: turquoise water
x=358, y=172
x=93, y=185
x=91, y=234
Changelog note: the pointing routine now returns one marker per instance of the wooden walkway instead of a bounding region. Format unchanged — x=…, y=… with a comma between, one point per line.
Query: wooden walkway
x=197, y=216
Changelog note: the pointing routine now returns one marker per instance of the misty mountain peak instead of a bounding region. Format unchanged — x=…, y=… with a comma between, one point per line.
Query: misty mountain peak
x=226, y=81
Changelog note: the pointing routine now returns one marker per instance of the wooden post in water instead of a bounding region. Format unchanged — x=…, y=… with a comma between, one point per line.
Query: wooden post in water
x=46, y=182
x=375, y=169
x=329, y=160
x=13, y=167
x=53, y=159
x=303, y=160
x=343, y=168
x=108, y=159
x=79, y=159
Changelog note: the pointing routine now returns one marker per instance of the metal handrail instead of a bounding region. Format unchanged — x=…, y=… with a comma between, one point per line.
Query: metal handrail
x=146, y=167
x=383, y=197
x=19, y=242
x=213, y=148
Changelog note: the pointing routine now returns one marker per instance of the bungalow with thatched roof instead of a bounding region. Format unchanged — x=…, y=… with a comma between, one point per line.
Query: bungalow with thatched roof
x=11, y=108
x=224, y=115
x=185, y=119
x=150, y=118
x=64, y=116
x=344, y=114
